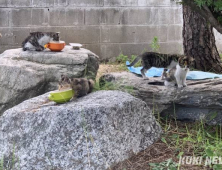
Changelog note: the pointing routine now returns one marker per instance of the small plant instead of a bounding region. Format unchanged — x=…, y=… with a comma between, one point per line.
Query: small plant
x=112, y=86
x=121, y=59
x=155, y=44
x=166, y=165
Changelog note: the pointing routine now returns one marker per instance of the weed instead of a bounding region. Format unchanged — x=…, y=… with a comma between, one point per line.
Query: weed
x=155, y=44
x=113, y=86
x=166, y=165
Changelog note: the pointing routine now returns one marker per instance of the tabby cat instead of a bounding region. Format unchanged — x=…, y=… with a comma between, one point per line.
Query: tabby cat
x=152, y=59
x=177, y=74
x=37, y=40
x=81, y=86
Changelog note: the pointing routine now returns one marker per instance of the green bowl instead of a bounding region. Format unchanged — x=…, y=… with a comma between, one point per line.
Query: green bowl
x=61, y=96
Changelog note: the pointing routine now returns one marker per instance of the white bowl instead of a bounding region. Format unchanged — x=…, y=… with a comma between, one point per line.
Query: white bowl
x=76, y=46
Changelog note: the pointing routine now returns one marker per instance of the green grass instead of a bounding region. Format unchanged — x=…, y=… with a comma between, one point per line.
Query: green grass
x=192, y=139
x=121, y=62
x=113, y=86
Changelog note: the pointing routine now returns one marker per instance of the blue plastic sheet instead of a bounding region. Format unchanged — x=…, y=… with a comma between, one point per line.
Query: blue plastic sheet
x=157, y=72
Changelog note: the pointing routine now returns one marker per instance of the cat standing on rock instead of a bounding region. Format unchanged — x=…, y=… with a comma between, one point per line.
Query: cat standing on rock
x=177, y=74
x=37, y=40
x=152, y=59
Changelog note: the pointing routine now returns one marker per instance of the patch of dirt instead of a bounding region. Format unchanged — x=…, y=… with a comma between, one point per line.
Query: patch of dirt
x=108, y=68
x=156, y=153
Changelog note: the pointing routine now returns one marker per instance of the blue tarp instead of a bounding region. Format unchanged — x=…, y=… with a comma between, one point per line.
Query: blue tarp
x=157, y=72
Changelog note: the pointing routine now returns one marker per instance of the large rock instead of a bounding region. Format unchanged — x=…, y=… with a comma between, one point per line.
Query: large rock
x=200, y=100
x=94, y=132
x=26, y=74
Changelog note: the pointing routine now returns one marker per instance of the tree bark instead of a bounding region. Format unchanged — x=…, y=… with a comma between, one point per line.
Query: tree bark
x=199, y=41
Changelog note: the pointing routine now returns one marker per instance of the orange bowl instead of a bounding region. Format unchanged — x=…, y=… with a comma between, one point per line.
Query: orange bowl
x=55, y=46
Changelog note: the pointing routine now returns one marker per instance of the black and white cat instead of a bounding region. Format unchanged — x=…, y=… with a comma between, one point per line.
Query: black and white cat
x=177, y=75
x=37, y=40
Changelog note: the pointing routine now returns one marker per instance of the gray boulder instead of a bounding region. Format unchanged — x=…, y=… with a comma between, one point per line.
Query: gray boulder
x=200, y=100
x=94, y=132
x=26, y=74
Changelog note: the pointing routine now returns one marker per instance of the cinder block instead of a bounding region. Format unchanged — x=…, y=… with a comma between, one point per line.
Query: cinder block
x=4, y=17
x=166, y=16
x=21, y=17
x=93, y=16
x=7, y=37
x=84, y=35
x=142, y=3
x=41, y=29
x=174, y=33
x=20, y=34
x=57, y=17
x=159, y=3
x=136, y=16
x=171, y=48
x=154, y=15
x=134, y=49
x=39, y=17
x=178, y=15
x=43, y=3
x=85, y=3
x=109, y=52
x=113, y=2
x=74, y=16
x=3, y=3
x=145, y=34
x=95, y=48
x=130, y=2
x=162, y=33
x=118, y=34
x=60, y=3
x=107, y=16
x=111, y=16
x=219, y=46
x=20, y=3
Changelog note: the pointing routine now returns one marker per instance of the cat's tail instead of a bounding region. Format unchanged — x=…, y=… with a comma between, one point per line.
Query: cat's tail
x=158, y=83
x=135, y=61
x=91, y=85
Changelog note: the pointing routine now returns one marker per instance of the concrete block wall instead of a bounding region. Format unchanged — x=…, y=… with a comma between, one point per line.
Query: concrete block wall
x=106, y=27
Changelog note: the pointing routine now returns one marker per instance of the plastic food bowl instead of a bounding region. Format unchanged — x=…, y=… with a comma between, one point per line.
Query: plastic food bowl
x=61, y=96
x=55, y=46
x=76, y=46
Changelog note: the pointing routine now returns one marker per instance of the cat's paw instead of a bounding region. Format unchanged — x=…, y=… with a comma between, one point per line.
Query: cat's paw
x=184, y=85
x=180, y=86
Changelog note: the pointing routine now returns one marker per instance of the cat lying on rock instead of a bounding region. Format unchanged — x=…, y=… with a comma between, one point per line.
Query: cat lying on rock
x=37, y=40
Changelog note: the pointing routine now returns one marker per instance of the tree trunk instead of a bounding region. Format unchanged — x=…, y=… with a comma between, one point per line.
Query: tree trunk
x=199, y=42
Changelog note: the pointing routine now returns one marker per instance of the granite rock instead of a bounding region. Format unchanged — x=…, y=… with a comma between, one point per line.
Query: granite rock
x=26, y=74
